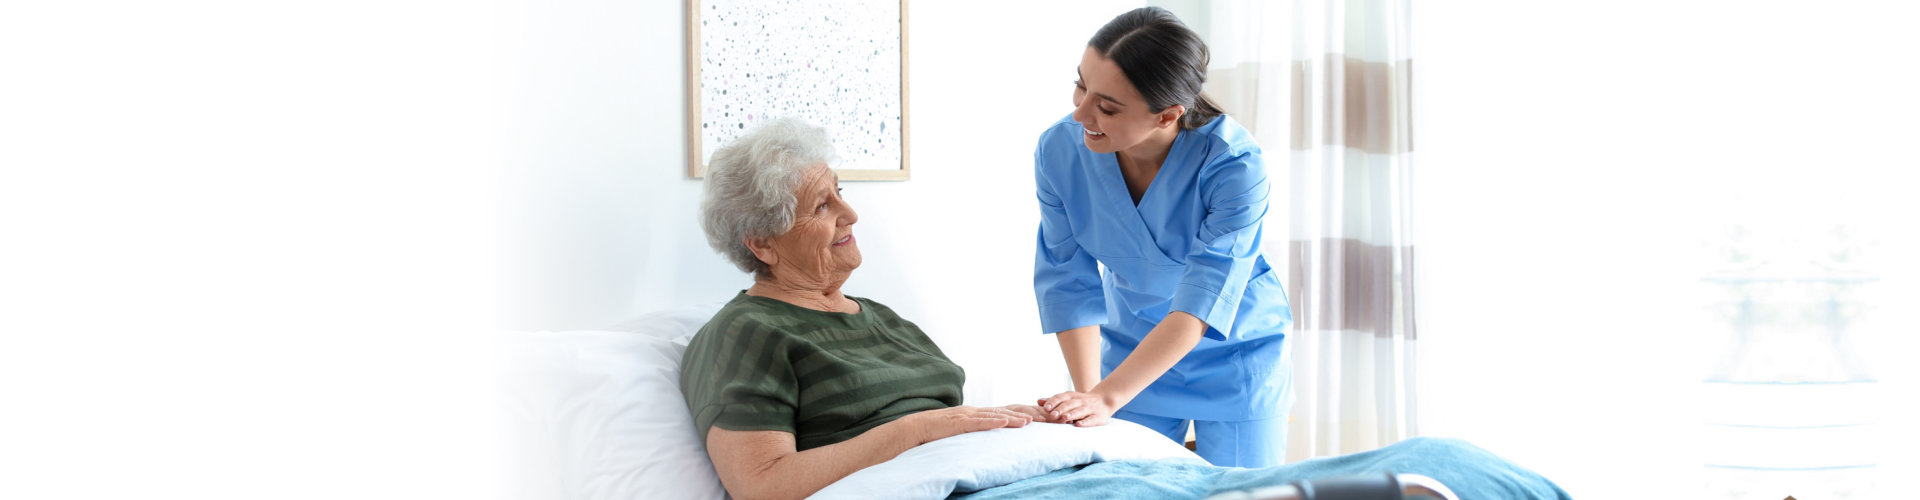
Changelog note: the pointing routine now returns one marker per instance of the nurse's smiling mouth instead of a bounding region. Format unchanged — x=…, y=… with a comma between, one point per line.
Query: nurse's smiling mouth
x=1096, y=135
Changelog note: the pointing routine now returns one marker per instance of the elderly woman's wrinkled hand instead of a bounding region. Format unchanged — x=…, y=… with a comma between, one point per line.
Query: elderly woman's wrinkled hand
x=938, y=424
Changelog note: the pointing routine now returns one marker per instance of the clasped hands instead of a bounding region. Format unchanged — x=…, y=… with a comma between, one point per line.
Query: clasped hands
x=1082, y=409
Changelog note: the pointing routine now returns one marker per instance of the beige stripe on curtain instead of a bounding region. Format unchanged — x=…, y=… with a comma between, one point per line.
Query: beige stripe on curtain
x=1357, y=286
x=1378, y=114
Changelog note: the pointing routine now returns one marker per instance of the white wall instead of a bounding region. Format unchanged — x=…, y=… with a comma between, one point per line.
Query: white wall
x=1572, y=162
x=245, y=248
x=608, y=215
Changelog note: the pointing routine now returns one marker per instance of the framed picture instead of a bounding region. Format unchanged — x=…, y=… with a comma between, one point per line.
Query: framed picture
x=839, y=64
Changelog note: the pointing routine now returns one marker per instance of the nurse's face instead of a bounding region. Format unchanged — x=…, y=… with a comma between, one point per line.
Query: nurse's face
x=1114, y=114
x=819, y=248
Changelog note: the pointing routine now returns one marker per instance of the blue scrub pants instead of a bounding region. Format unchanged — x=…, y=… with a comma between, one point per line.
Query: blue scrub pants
x=1247, y=443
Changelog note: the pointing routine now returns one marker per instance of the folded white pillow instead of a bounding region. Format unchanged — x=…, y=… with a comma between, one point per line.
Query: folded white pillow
x=599, y=415
x=678, y=323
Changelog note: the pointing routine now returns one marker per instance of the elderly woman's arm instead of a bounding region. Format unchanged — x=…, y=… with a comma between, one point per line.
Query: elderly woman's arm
x=764, y=464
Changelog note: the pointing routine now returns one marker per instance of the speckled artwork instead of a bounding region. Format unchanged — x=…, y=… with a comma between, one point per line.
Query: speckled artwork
x=833, y=63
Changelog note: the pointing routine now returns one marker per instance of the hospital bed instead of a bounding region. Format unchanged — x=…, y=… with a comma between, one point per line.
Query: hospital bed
x=598, y=415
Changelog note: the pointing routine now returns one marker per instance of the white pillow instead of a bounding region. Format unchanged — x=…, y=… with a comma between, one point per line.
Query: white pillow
x=980, y=460
x=599, y=414
x=675, y=323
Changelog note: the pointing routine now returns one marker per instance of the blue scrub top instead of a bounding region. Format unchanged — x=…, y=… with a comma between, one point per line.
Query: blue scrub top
x=1192, y=244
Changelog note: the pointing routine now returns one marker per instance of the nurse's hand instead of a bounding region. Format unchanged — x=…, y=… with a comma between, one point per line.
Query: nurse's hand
x=1083, y=409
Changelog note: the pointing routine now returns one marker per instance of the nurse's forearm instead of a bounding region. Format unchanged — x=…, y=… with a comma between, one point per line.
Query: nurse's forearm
x=1157, y=353
x=1081, y=346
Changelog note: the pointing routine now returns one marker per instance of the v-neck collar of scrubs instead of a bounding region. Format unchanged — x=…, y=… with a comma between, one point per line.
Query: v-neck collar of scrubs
x=1119, y=178
x=1115, y=187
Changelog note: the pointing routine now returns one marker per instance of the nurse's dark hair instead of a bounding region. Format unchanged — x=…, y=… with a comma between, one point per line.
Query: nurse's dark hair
x=1164, y=59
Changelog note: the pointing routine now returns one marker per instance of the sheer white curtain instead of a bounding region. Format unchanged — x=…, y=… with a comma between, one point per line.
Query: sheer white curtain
x=1329, y=81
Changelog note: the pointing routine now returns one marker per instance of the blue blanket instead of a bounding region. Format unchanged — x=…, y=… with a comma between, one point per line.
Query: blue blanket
x=1472, y=473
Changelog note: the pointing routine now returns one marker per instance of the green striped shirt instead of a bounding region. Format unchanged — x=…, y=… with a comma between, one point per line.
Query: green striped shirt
x=765, y=365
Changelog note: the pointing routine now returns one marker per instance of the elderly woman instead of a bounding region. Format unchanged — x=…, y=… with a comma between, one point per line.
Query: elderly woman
x=794, y=384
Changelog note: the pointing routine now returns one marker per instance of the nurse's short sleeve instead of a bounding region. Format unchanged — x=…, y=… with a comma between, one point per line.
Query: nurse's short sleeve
x=1226, y=244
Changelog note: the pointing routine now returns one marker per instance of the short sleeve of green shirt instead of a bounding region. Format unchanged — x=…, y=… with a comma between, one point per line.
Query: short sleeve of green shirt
x=765, y=365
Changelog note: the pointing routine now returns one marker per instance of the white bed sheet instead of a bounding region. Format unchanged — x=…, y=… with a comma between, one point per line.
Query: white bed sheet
x=981, y=460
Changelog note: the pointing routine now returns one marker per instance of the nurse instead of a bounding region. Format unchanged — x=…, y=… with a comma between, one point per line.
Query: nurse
x=1152, y=180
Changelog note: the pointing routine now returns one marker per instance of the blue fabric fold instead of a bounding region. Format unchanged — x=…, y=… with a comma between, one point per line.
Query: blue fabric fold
x=1471, y=472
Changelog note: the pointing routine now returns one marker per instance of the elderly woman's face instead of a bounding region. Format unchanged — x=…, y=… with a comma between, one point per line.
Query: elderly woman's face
x=820, y=245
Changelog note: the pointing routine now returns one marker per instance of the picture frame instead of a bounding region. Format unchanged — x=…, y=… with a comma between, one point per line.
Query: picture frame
x=839, y=64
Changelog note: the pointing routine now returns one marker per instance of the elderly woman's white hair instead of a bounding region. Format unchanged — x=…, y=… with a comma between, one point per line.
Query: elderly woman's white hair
x=751, y=183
